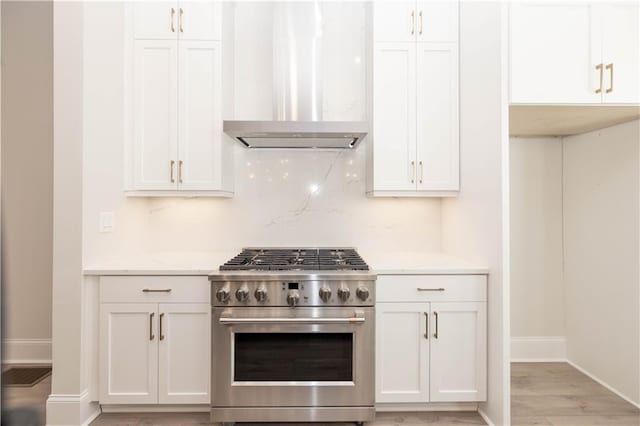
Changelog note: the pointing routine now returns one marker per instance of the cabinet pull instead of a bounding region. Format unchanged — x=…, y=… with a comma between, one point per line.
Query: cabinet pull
x=151, y=336
x=171, y=171
x=426, y=320
x=610, y=68
x=161, y=335
x=435, y=315
x=599, y=68
x=153, y=290
x=413, y=22
x=421, y=26
x=180, y=20
x=421, y=171
x=180, y=171
x=173, y=13
x=430, y=289
x=413, y=171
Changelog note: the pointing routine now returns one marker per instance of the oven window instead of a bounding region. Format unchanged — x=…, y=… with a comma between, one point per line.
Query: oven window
x=266, y=357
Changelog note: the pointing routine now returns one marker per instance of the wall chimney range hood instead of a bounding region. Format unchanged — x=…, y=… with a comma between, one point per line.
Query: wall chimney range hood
x=297, y=89
x=297, y=134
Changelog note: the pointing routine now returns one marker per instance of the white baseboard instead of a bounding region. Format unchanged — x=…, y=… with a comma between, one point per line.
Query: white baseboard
x=539, y=349
x=71, y=410
x=486, y=418
x=156, y=408
x=603, y=383
x=431, y=406
x=26, y=351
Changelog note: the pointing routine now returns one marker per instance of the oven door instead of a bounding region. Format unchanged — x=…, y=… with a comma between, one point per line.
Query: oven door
x=265, y=357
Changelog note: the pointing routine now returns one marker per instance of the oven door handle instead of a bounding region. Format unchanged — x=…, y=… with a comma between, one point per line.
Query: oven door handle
x=352, y=320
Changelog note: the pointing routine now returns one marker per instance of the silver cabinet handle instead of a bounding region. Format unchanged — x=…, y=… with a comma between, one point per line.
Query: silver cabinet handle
x=154, y=290
x=180, y=171
x=161, y=335
x=430, y=289
x=420, y=15
x=413, y=22
x=599, y=67
x=173, y=13
x=180, y=20
x=610, y=68
x=426, y=319
x=171, y=164
x=413, y=171
x=352, y=320
x=151, y=336
x=435, y=315
x=421, y=171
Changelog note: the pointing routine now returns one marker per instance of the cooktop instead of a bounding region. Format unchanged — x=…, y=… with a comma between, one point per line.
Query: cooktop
x=296, y=259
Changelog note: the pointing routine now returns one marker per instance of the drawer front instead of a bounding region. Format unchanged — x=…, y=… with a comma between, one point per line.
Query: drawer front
x=154, y=289
x=431, y=288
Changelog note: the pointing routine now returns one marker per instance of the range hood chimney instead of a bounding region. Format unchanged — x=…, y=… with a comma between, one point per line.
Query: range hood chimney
x=297, y=89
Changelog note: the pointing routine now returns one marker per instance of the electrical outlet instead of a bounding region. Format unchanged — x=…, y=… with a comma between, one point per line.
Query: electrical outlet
x=107, y=222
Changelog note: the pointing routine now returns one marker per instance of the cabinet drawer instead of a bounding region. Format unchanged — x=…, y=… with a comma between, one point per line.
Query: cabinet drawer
x=187, y=289
x=431, y=288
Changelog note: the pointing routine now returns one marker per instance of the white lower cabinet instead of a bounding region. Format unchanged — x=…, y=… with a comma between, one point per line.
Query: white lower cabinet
x=432, y=349
x=156, y=352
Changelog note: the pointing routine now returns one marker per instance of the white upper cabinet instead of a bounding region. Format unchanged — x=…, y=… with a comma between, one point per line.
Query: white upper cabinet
x=395, y=21
x=574, y=52
x=437, y=125
x=200, y=117
x=191, y=20
x=621, y=53
x=394, y=111
x=200, y=20
x=174, y=98
x=155, y=114
x=155, y=20
x=437, y=20
x=415, y=146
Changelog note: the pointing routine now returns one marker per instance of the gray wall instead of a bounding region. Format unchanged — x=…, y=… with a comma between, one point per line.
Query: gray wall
x=27, y=172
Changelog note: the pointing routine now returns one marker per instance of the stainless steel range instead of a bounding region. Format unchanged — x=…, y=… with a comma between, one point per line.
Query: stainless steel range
x=293, y=337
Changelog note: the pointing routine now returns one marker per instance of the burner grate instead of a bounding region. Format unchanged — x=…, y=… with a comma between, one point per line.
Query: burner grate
x=296, y=259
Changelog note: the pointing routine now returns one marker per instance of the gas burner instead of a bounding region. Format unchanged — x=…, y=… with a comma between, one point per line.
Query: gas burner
x=296, y=259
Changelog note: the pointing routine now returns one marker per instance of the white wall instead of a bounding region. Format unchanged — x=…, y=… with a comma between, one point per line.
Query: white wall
x=537, y=292
x=476, y=224
x=27, y=171
x=273, y=204
x=601, y=253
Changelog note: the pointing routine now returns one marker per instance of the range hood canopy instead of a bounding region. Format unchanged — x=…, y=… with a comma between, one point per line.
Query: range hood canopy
x=297, y=134
x=297, y=88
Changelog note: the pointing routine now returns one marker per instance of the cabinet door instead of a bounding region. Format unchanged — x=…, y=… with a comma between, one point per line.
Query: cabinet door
x=394, y=20
x=128, y=354
x=155, y=113
x=621, y=53
x=184, y=353
x=200, y=20
x=555, y=47
x=438, y=124
x=437, y=20
x=155, y=20
x=394, y=111
x=200, y=122
x=402, y=352
x=458, y=352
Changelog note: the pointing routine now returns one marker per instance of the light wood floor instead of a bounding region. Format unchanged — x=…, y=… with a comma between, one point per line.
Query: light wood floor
x=541, y=394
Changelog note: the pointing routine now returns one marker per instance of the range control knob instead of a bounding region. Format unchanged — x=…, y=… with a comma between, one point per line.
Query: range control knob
x=293, y=298
x=325, y=293
x=223, y=295
x=344, y=293
x=242, y=294
x=261, y=294
x=363, y=293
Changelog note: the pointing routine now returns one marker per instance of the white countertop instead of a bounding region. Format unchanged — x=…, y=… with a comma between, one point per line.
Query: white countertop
x=204, y=263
